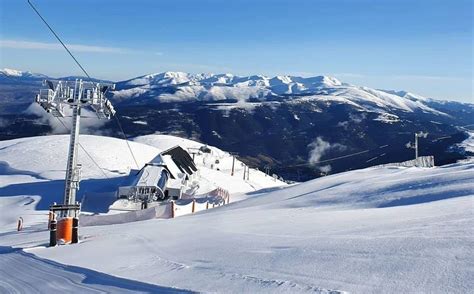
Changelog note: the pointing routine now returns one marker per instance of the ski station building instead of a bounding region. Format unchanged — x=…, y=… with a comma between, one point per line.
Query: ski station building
x=166, y=177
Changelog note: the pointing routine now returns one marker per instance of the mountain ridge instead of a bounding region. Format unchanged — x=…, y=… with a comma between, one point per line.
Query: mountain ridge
x=179, y=86
x=275, y=122
x=280, y=84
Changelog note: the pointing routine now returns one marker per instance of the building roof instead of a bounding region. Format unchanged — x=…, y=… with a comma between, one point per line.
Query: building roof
x=149, y=175
x=182, y=159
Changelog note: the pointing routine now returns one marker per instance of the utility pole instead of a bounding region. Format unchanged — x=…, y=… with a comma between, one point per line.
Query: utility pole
x=267, y=170
x=416, y=146
x=233, y=164
x=246, y=172
x=418, y=135
x=58, y=96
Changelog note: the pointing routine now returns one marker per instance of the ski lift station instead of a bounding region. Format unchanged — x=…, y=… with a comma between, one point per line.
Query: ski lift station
x=166, y=177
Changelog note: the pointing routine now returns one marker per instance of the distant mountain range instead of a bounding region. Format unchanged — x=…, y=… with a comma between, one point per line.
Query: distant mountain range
x=184, y=87
x=282, y=122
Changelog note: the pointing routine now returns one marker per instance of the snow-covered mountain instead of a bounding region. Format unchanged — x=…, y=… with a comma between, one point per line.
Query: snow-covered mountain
x=185, y=87
x=269, y=121
x=8, y=75
x=17, y=74
x=278, y=84
x=275, y=120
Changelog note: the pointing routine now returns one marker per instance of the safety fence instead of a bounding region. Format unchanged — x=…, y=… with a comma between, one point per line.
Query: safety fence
x=188, y=206
x=159, y=211
x=165, y=210
x=422, y=161
x=216, y=195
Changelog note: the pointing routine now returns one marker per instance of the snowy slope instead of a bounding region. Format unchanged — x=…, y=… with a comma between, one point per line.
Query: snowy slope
x=41, y=161
x=32, y=171
x=377, y=230
x=45, y=157
x=221, y=87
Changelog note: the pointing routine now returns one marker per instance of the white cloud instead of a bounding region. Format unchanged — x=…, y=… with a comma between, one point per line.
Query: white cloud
x=89, y=123
x=17, y=44
x=428, y=78
x=349, y=75
x=400, y=77
x=325, y=168
x=319, y=147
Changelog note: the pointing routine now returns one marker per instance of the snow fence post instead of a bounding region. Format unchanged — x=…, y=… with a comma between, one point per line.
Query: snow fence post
x=75, y=233
x=194, y=205
x=52, y=233
x=233, y=163
x=20, y=224
x=172, y=208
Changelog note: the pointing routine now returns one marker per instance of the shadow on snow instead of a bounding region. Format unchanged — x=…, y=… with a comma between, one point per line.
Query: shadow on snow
x=58, y=276
x=52, y=191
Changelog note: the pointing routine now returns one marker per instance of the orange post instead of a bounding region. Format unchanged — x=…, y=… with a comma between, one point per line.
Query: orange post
x=194, y=206
x=65, y=230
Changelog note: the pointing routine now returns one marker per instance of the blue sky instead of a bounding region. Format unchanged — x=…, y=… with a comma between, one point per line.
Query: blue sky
x=425, y=47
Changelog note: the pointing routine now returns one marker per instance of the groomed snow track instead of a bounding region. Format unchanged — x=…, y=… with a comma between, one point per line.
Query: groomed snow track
x=23, y=272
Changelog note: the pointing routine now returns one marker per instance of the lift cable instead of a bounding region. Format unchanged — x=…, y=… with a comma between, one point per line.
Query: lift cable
x=59, y=39
x=126, y=140
x=86, y=73
x=84, y=149
x=361, y=152
x=339, y=157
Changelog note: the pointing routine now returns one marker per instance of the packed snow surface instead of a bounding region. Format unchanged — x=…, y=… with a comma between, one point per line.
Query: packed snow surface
x=376, y=230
